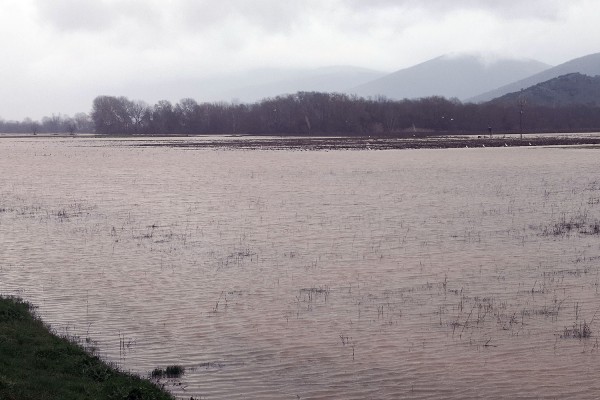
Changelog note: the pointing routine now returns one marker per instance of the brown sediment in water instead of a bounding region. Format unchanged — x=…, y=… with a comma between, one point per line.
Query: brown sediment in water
x=466, y=273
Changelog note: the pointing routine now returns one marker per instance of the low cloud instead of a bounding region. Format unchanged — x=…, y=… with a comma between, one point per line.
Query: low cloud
x=87, y=15
x=537, y=9
x=63, y=48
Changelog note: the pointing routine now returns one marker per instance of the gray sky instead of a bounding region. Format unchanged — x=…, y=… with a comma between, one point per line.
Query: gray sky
x=57, y=55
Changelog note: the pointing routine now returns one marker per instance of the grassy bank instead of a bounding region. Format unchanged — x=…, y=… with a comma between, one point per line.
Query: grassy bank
x=35, y=364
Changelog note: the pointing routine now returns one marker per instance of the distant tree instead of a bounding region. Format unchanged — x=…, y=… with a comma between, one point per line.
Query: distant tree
x=164, y=120
x=190, y=119
x=111, y=115
x=53, y=124
x=70, y=125
x=34, y=126
x=137, y=110
x=83, y=122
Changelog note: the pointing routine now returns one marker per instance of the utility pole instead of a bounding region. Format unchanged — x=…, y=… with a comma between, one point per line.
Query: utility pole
x=522, y=103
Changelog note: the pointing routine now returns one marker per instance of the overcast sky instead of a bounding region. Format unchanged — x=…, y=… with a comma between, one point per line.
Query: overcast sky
x=57, y=55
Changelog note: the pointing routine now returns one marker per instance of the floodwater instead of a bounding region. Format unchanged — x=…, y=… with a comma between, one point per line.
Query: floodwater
x=278, y=274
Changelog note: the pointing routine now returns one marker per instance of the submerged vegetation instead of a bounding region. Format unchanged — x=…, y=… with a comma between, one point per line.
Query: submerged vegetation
x=579, y=223
x=35, y=364
x=578, y=331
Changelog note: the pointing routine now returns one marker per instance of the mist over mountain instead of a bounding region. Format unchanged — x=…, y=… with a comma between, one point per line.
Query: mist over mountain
x=460, y=76
x=587, y=65
x=326, y=79
x=566, y=90
x=254, y=85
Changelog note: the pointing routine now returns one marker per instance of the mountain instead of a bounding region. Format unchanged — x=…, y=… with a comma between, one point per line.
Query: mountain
x=570, y=89
x=327, y=79
x=588, y=65
x=249, y=86
x=460, y=76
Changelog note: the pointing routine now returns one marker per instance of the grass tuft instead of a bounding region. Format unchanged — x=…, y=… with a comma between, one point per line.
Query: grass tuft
x=579, y=223
x=581, y=331
x=172, y=371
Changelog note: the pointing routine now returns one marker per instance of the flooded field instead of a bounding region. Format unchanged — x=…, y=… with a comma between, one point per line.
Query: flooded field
x=283, y=274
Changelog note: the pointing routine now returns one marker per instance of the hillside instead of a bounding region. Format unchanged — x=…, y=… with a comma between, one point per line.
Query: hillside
x=587, y=65
x=566, y=90
x=460, y=76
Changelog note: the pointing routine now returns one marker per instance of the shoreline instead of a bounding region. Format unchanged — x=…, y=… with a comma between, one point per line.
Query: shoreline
x=325, y=143
x=36, y=363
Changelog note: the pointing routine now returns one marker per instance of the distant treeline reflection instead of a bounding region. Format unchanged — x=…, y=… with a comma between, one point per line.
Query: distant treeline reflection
x=314, y=113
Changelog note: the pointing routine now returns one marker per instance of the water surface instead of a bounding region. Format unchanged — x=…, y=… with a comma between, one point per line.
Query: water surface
x=456, y=273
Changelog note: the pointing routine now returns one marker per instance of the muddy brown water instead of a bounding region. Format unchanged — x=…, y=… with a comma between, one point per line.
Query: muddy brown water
x=274, y=274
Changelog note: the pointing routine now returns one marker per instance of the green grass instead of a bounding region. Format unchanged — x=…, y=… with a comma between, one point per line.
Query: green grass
x=35, y=364
x=172, y=371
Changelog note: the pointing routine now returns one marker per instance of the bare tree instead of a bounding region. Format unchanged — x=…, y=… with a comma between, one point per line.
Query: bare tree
x=137, y=109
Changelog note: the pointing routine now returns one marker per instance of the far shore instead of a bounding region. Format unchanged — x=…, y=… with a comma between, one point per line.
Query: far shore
x=419, y=141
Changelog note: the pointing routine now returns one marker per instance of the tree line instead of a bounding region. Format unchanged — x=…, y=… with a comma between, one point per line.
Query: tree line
x=80, y=122
x=315, y=113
